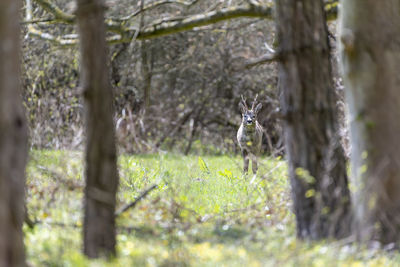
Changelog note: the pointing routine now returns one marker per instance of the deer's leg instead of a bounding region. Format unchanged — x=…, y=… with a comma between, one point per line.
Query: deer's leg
x=254, y=164
x=245, y=155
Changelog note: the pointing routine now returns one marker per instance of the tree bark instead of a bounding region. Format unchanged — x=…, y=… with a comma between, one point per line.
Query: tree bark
x=101, y=160
x=370, y=61
x=147, y=69
x=13, y=139
x=317, y=166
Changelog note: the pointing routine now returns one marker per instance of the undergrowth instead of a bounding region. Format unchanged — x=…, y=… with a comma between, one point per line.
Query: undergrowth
x=202, y=212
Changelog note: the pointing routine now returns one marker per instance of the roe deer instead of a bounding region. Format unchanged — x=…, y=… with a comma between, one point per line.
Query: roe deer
x=250, y=133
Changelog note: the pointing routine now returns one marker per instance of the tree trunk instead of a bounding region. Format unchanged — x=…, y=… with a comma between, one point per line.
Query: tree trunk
x=147, y=69
x=101, y=160
x=317, y=166
x=13, y=139
x=370, y=60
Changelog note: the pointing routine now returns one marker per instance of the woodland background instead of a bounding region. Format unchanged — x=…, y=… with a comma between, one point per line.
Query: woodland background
x=177, y=92
x=117, y=143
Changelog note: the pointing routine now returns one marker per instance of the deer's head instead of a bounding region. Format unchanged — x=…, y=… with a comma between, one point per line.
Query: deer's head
x=249, y=116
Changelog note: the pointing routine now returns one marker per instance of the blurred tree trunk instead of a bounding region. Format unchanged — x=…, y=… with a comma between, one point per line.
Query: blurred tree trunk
x=13, y=139
x=370, y=60
x=101, y=166
x=317, y=165
x=147, y=69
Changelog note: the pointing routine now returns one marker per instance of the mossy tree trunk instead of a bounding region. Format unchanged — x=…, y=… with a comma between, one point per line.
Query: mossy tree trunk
x=317, y=165
x=101, y=160
x=13, y=139
x=370, y=61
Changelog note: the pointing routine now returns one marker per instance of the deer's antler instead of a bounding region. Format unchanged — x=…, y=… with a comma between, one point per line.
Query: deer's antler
x=254, y=102
x=243, y=101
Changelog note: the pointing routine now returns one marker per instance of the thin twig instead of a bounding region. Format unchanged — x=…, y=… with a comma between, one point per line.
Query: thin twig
x=154, y=5
x=36, y=21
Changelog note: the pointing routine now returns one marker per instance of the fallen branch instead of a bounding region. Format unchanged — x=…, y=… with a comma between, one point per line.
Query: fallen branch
x=136, y=201
x=261, y=60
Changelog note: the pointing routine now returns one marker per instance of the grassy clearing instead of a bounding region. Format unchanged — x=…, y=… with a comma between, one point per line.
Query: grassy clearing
x=203, y=213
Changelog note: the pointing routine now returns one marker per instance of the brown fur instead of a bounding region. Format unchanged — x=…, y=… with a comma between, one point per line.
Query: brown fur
x=249, y=135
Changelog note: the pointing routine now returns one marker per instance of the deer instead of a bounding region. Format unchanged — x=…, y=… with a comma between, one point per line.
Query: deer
x=250, y=133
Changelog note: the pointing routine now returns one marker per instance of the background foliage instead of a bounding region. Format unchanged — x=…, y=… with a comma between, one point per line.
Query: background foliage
x=194, y=78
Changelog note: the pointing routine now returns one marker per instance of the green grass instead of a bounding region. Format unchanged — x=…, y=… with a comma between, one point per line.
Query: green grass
x=204, y=212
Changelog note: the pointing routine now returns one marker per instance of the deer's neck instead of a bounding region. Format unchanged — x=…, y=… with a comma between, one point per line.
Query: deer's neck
x=250, y=128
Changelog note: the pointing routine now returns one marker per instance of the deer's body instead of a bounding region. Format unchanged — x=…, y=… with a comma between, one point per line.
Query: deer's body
x=249, y=135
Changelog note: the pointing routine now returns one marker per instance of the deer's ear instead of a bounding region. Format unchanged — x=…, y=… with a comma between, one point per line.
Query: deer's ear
x=258, y=108
x=242, y=108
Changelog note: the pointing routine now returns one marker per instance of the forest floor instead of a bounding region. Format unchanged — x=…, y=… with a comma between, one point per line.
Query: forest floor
x=203, y=212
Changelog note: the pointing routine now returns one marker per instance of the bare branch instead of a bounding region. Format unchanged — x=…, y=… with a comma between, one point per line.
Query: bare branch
x=136, y=201
x=155, y=4
x=63, y=17
x=191, y=22
x=331, y=9
x=70, y=40
x=45, y=36
x=51, y=38
x=261, y=60
x=168, y=26
x=28, y=11
x=58, y=14
x=269, y=48
x=36, y=21
x=252, y=2
x=164, y=27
